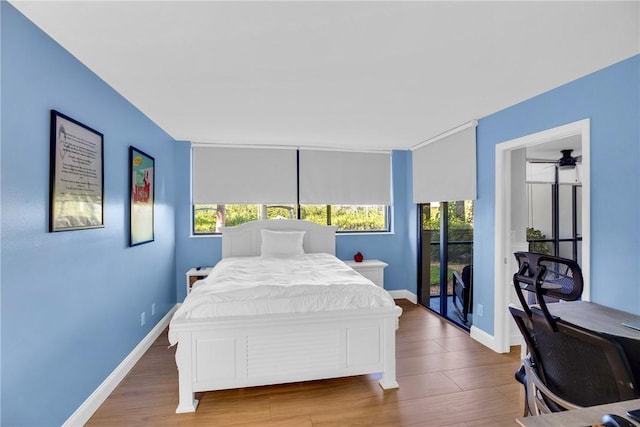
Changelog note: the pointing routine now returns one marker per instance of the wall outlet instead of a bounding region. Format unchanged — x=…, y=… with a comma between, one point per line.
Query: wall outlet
x=480, y=310
x=143, y=319
x=153, y=309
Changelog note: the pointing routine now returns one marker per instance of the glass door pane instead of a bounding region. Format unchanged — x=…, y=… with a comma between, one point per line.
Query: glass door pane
x=430, y=239
x=540, y=207
x=460, y=255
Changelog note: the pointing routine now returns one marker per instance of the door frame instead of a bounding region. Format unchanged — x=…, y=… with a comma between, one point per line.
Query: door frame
x=503, y=244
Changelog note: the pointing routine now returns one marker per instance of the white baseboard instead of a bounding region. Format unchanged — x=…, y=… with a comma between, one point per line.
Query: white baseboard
x=490, y=341
x=516, y=340
x=97, y=398
x=404, y=294
x=484, y=338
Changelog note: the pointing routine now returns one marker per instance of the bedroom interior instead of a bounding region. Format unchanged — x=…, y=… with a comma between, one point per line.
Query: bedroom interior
x=382, y=78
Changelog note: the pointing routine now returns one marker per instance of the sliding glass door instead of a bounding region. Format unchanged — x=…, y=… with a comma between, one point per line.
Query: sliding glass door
x=446, y=246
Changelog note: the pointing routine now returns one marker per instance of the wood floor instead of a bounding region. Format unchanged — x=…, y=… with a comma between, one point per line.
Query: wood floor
x=445, y=377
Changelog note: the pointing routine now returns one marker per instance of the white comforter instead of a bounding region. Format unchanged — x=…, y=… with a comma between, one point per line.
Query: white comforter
x=255, y=285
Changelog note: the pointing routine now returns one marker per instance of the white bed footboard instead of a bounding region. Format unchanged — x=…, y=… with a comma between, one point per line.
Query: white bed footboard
x=226, y=353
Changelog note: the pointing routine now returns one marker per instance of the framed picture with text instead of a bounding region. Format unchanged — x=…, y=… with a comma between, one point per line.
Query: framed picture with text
x=141, y=187
x=76, y=179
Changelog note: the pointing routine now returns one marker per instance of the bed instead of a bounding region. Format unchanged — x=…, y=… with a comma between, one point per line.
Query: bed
x=292, y=336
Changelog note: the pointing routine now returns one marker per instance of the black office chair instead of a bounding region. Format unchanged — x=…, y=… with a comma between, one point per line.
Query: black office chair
x=548, y=278
x=569, y=367
x=463, y=292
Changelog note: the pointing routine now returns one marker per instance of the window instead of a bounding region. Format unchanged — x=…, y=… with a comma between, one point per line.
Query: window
x=351, y=190
x=208, y=218
x=348, y=218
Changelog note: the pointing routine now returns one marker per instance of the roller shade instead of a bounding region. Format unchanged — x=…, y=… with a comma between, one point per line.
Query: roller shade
x=444, y=169
x=345, y=178
x=243, y=175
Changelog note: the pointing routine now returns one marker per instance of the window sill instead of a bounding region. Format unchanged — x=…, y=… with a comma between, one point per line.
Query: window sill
x=365, y=233
x=203, y=236
x=356, y=233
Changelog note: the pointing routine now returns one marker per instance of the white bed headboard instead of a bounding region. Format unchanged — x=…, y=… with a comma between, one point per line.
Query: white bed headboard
x=245, y=239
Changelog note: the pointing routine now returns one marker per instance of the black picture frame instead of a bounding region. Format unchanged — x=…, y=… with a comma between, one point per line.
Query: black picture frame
x=141, y=197
x=76, y=175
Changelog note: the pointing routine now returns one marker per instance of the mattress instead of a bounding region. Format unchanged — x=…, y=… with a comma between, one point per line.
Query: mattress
x=246, y=286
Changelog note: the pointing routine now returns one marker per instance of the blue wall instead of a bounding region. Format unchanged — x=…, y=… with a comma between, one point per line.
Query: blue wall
x=611, y=99
x=398, y=248
x=71, y=301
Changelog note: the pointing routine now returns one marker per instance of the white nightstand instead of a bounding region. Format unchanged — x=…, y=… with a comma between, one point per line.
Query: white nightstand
x=194, y=275
x=372, y=269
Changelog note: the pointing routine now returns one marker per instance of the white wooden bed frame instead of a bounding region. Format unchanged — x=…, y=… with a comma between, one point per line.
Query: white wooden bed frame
x=244, y=351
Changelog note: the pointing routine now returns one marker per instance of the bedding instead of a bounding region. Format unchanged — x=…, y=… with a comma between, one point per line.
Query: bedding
x=281, y=243
x=245, y=286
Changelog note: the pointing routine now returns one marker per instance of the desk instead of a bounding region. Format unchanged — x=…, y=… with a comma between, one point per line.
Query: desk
x=596, y=317
x=579, y=417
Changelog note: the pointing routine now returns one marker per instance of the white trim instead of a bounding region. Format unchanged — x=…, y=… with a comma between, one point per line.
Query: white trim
x=231, y=145
x=450, y=132
x=97, y=398
x=518, y=340
x=484, y=338
x=489, y=340
x=288, y=147
x=338, y=234
x=404, y=294
x=343, y=149
x=502, y=277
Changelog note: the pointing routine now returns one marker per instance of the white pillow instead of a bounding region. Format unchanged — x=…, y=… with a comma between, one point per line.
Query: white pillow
x=281, y=243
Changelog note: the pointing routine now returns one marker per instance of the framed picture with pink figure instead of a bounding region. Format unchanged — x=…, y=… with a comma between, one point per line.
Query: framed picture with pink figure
x=141, y=185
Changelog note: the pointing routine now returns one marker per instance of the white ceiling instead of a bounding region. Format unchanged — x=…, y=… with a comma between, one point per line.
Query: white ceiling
x=552, y=150
x=374, y=75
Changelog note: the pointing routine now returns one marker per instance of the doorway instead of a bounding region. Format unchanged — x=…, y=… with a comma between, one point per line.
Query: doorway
x=554, y=198
x=509, y=239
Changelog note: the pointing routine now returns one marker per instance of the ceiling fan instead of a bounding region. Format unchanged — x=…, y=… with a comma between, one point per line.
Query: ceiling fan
x=567, y=161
